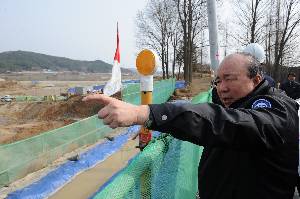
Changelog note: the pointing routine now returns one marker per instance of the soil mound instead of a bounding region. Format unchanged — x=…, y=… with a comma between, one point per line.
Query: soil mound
x=11, y=85
x=73, y=108
x=26, y=119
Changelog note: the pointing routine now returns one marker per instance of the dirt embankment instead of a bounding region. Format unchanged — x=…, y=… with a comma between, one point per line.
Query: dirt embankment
x=200, y=83
x=10, y=85
x=19, y=120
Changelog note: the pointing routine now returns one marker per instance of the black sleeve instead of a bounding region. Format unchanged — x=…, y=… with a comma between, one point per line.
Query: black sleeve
x=212, y=125
x=282, y=86
x=297, y=91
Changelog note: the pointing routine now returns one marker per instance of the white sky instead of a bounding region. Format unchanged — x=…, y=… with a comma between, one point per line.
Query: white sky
x=76, y=29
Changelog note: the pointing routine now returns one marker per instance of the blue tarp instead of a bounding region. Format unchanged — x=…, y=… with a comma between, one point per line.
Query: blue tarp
x=63, y=174
x=98, y=87
x=131, y=81
x=180, y=84
x=71, y=90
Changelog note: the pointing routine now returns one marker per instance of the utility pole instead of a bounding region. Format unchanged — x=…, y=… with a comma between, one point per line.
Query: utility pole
x=213, y=34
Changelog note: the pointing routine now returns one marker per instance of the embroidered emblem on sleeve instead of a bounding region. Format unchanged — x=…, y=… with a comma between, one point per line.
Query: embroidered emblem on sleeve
x=164, y=117
x=261, y=103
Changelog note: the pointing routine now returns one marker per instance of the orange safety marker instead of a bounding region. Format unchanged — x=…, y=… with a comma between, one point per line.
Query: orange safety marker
x=146, y=66
x=146, y=62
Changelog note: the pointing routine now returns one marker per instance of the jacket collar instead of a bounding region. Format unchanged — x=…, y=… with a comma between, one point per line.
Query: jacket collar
x=261, y=89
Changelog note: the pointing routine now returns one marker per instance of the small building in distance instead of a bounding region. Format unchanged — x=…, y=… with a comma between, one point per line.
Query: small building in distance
x=83, y=90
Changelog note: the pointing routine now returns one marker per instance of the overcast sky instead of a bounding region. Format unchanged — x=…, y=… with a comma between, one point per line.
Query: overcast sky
x=76, y=29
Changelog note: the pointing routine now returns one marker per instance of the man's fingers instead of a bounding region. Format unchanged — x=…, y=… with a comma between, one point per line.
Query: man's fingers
x=99, y=98
x=108, y=120
x=103, y=113
x=114, y=124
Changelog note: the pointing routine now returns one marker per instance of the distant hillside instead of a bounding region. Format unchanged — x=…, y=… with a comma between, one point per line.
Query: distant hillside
x=30, y=61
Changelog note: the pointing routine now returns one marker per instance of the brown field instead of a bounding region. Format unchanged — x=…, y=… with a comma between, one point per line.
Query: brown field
x=19, y=120
x=41, y=84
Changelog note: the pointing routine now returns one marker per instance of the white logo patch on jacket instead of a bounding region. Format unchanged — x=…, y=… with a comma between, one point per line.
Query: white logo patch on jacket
x=261, y=103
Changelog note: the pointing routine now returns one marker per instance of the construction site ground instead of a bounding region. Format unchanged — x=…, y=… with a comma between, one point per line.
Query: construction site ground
x=20, y=120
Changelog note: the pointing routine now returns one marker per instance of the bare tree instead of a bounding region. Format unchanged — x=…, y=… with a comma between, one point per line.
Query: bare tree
x=190, y=13
x=251, y=20
x=179, y=58
x=286, y=24
x=274, y=23
x=175, y=40
x=203, y=44
x=155, y=25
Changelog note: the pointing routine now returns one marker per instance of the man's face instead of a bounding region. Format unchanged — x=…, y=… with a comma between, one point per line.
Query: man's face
x=232, y=80
x=291, y=77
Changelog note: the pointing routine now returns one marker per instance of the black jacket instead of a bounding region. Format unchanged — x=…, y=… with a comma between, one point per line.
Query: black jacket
x=250, y=149
x=291, y=88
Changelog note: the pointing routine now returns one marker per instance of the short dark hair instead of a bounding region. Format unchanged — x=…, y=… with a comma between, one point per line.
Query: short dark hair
x=292, y=74
x=254, y=66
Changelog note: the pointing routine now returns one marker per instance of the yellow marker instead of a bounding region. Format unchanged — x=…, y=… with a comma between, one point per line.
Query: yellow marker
x=146, y=62
x=146, y=66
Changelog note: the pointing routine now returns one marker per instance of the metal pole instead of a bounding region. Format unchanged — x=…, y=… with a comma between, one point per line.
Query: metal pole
x=146, y=98
x=213, y=34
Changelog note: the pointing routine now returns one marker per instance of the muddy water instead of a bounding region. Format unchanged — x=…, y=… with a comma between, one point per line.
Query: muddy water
x=88, y=182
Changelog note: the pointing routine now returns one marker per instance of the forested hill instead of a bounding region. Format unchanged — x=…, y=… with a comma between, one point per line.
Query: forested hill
x=29, y=61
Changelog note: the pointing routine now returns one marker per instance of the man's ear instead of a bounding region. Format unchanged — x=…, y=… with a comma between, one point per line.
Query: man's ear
x=257, y=79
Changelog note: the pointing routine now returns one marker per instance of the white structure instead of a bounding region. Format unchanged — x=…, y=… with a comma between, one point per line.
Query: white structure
x=213, y=34
x=256, y=50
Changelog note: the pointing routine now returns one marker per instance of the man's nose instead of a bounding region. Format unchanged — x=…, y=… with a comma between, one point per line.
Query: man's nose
x=222, y=87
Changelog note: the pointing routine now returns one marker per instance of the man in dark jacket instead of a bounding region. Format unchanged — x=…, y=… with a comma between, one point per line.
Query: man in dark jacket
x=291, y=87
x=250, y=140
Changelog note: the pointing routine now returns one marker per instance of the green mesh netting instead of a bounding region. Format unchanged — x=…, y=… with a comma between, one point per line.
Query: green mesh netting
x=202, y=97
x=20, y=98
x=26, y=156
x=161, y=92
x=23, y=157
x=167, y=168
x=132, y=94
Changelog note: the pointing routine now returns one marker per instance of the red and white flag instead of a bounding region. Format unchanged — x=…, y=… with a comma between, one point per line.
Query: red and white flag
x=114, y=84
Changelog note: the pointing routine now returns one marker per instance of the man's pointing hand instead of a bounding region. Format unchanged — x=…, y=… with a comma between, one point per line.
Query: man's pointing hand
x=116, y=113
